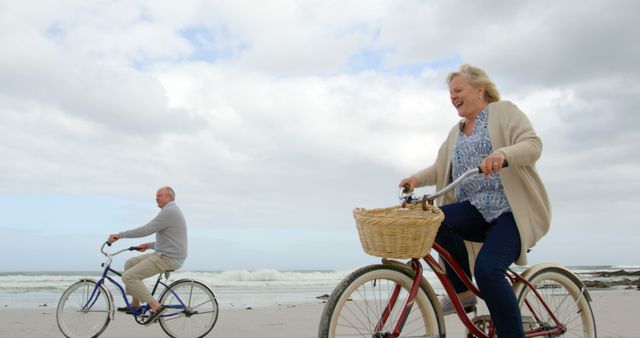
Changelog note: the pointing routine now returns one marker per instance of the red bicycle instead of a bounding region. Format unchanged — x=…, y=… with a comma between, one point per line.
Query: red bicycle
x=394, y=299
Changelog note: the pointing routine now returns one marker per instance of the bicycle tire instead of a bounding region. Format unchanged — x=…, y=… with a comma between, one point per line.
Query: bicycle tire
x=356, y=305
x=77, y=320
x=201, y=312
x=565, y=296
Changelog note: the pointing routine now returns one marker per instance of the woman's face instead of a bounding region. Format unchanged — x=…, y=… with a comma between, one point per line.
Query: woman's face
x=467, y=99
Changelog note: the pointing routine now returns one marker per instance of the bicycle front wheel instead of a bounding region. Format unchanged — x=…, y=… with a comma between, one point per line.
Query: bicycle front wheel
x=83, y=310
x=192, y=309
x=564, y=296
x=359, y=306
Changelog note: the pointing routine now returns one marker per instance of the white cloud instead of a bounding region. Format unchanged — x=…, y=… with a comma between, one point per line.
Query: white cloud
x=263, y=101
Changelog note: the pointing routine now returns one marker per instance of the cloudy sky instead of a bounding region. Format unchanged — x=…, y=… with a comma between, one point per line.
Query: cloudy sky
x=273, y=120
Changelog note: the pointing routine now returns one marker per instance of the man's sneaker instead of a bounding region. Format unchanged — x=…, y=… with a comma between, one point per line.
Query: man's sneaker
x=153, y=317
x=468, y=304
x=125, y=309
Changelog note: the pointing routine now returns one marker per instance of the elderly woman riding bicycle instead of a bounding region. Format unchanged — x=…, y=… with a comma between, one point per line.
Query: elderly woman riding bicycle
x=506, y=210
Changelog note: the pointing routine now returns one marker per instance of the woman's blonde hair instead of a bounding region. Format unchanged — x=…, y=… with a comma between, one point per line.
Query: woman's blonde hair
x=477, y=77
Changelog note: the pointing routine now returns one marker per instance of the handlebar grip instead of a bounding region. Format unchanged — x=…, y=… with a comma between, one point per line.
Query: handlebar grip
x=133, y=248
x=405, y=187
x=107, y=243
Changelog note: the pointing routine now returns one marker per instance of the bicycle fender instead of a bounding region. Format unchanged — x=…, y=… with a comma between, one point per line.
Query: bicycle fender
x=184, y=280
x=431, y=294
x=180, y=281
x=518, y=286
x=112, y=310
x=168, y=287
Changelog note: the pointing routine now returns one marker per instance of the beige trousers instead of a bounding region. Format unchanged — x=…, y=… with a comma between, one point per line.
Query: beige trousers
x=144, y=266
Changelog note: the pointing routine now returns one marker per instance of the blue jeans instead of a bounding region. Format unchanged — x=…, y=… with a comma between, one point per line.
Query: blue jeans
x=462, y=221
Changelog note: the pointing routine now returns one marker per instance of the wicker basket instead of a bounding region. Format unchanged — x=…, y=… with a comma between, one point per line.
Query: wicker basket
x=395, y=232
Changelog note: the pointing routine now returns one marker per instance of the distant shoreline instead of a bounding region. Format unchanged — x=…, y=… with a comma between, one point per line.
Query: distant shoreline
x=239, y=289
x=632, y=269
x=609, y=279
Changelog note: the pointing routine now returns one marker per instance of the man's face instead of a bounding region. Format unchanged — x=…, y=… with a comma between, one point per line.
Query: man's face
x=162, y=197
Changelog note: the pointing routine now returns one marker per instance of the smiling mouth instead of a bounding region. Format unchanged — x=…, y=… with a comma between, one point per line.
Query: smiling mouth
x=458, y=104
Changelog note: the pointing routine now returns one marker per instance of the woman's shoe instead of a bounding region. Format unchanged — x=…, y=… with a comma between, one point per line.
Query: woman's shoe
x=468, y=304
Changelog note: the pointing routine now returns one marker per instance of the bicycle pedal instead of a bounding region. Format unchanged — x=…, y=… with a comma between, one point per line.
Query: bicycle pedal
x=149, y=322
x=469, y=309
x=529, y=323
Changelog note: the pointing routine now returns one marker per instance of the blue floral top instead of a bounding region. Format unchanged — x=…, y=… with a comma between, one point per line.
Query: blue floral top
x=485, y=193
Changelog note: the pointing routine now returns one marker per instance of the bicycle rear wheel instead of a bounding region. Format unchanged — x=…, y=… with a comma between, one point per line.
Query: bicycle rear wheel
x=83, y=310
x=192, y=309
x=357, y=304
x=565, y=296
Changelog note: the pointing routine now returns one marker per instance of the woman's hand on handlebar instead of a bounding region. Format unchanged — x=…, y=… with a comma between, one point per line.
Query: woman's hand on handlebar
x=409, y=181
x=142, y=247
x=492, y=163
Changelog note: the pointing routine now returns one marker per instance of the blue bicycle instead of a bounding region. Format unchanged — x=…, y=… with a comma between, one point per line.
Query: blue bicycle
x=86, y=307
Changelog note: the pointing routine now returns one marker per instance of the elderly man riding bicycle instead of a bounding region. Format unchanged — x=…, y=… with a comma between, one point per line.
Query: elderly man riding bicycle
x=170, y=251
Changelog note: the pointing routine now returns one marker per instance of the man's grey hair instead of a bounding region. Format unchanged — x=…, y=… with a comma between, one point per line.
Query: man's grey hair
x=171, y=192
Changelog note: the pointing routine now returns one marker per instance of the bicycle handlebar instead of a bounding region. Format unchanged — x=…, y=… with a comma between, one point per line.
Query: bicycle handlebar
x=131, y=248
x=110, y=256
x=409, y=198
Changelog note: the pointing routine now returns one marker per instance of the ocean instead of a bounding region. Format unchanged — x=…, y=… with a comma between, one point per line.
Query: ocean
x=233, y=289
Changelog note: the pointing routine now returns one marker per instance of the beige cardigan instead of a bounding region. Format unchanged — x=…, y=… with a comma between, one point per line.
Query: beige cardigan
x=512, y=135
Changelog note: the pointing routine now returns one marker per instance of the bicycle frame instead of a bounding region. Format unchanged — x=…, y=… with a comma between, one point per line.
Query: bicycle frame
x=415, y=287
x=135, y=311
x=86, y=307
x=440, y=272
x=448, y=286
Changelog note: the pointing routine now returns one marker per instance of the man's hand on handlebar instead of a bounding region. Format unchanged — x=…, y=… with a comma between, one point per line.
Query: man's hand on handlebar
x=142, y=247
x=112, y=238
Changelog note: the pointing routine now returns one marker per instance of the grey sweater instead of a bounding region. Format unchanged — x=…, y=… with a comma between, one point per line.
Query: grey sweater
x=171, y=233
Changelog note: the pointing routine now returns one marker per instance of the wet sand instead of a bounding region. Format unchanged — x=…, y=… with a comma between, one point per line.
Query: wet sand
x=616, y=313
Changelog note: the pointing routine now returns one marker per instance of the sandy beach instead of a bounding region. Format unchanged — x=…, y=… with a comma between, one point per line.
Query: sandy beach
x=615, y=311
